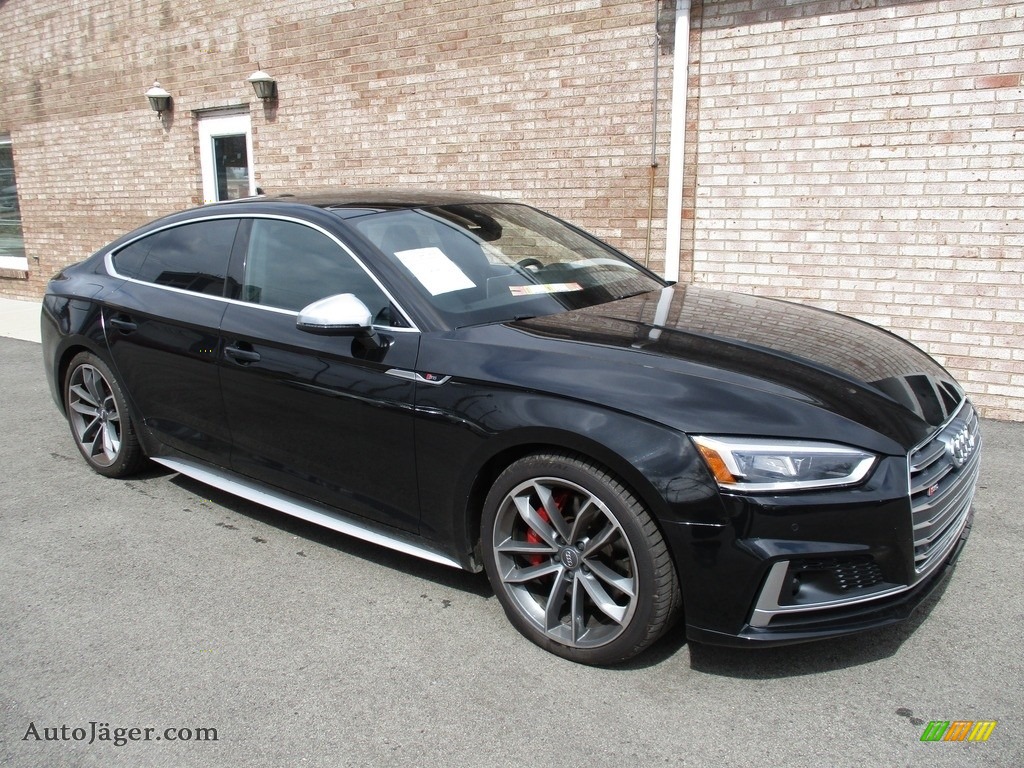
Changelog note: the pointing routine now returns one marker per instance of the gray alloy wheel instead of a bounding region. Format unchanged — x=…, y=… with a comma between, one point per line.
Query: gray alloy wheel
x=99, y=419
x=576, y=561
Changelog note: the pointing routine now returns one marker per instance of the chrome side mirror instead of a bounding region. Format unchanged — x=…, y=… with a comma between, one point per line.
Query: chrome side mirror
x=339, y=315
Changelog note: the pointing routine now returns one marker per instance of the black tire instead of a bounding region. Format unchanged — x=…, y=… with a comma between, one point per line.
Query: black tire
x=98, y=415
x=594, y=582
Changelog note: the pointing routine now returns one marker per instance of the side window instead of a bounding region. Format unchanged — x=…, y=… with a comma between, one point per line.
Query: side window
x=193, y=257
x=290, y=265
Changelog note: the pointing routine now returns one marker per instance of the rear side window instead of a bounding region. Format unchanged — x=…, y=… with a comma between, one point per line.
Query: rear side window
x=193, y=257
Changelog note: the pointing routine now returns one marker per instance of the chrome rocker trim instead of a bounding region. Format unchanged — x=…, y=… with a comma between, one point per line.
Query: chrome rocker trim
x=238, y=486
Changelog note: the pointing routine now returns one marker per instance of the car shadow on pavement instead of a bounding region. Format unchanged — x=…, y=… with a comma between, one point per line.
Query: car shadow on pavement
x=474, y=583
x=751, y=663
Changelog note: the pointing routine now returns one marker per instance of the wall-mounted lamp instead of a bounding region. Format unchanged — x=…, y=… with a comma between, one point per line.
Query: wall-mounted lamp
x=159, y=99
x=264, y=85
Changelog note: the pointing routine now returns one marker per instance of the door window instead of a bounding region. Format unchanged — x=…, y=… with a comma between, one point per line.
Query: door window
x=290, y=265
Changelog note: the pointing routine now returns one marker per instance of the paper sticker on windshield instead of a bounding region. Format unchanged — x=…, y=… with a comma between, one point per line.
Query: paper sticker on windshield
x=434, y=270
x=534, y=290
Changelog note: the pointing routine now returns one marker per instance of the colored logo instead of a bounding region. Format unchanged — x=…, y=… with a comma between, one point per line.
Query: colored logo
x=959, y=730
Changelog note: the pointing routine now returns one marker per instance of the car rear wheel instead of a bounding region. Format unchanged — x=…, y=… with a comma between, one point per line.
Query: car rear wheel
x=576, y=560
x=99, y=418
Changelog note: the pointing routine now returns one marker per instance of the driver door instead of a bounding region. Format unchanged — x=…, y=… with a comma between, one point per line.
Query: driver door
x=319, y=416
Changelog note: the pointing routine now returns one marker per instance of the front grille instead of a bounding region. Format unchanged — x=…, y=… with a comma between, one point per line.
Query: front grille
x=943, y=475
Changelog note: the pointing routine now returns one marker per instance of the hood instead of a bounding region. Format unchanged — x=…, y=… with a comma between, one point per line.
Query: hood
x=738, y=345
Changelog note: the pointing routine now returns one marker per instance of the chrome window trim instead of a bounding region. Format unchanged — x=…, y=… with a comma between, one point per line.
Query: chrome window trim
x=108, y=262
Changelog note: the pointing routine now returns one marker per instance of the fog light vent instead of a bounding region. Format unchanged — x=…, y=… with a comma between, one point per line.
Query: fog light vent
x=845, y=573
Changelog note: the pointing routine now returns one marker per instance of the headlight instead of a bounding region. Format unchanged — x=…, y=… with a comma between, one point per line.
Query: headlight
x=747, y=464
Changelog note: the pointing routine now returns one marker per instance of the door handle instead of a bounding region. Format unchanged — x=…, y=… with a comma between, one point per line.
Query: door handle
x=242, y=356
x=123, y=324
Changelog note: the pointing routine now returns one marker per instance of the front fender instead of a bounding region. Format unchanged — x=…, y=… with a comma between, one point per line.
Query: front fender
x=467, y=433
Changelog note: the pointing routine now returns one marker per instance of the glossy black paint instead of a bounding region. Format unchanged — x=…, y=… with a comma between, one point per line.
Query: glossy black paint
x=167, y=345
x=313, y=416
x=624, y=383
x=873, y=519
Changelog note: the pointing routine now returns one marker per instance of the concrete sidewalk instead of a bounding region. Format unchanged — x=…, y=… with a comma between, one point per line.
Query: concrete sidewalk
x=20, y=319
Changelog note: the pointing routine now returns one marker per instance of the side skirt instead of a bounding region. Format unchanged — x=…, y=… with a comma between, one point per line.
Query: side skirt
x=308, y=511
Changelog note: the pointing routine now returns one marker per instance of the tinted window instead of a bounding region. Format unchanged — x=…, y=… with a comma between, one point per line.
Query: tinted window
x=193, y=257
x=290, y=265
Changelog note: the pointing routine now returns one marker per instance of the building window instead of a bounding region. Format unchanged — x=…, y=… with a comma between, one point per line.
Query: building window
x=12, y=244
x=225, y=155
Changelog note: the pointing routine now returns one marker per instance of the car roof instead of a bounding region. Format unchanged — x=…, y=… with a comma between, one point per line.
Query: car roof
x=341, y=202
x=380, y=197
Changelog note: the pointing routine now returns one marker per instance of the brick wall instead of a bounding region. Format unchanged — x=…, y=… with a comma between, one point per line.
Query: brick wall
x=859, y=155
x=550, y=103
x=868, y=157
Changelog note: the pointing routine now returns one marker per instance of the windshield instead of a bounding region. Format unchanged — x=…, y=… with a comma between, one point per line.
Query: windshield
x=492, y=262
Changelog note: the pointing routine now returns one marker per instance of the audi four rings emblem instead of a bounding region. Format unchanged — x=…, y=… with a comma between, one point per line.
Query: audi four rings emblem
x=571, y=557
x=961, y=446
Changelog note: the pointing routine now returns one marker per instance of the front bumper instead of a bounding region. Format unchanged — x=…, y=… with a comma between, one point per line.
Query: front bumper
x=881, y=610
x=788, y=569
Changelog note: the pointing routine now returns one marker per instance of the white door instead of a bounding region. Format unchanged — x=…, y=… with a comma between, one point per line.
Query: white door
x=225, y=154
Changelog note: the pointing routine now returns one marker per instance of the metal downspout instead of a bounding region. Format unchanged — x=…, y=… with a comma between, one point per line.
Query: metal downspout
x=677, y=140
x=654, y=134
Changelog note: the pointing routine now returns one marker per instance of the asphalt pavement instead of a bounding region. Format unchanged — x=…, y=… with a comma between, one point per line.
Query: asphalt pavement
x=240, y=637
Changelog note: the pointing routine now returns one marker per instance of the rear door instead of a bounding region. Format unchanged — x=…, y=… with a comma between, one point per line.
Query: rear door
x=321, y=416
x=161, y=327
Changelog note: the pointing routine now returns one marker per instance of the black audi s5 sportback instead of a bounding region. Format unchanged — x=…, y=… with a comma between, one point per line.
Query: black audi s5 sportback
x=480, y=384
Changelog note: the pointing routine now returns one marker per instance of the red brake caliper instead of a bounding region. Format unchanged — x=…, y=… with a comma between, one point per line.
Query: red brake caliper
x=532, y=537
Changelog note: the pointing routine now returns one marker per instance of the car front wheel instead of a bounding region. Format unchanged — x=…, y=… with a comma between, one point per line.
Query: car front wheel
x=577, y=562
x=99, y=418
